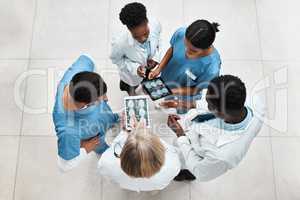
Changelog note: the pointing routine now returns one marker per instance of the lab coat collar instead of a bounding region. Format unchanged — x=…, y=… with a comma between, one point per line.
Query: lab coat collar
x=134, y=42
x=225, y=134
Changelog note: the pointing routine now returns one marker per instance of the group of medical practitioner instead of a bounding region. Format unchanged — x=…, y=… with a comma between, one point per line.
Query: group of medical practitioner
x=212, y=143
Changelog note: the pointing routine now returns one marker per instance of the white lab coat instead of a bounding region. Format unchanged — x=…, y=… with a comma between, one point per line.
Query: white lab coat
x=128, y=55
x=209, y=152
x=110, y=168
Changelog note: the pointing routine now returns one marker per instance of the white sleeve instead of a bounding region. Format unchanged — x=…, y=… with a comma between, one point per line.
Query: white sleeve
x=67, y=165
x=158, y=53
x=204, y=168
x=108, y=158
x=118, y=57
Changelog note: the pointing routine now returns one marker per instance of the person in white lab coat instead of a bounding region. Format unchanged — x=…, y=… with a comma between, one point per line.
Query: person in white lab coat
x=217, y=141
x=140, y=161
x=137, y=49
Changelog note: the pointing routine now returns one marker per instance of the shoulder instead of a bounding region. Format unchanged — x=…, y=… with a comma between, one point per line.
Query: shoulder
x=172, y=162
x=180, y=32
x=107, y=159
x=178, y=35
x=155, y=25
x=122, y=38
x=213, y=63
x=216, y=55
x=255, y=123
x=108, y=164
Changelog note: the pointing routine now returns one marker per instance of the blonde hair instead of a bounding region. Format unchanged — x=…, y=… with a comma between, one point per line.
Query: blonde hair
x=143, y=154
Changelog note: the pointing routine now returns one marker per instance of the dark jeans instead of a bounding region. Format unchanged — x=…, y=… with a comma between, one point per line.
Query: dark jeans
x=129, y=89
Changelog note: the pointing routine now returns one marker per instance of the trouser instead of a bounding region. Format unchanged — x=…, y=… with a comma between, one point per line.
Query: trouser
x=128, y=88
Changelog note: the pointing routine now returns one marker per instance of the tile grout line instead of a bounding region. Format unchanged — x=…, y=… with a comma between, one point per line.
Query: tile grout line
x=105, y=61
x=190, y=191
x=101, y=188
x=264, y=74
x=273, y=168
x=108, y=31
x=183, y=15
x=22, y=115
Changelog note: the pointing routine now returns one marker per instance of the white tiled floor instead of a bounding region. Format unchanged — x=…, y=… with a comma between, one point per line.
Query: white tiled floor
x=258, y=41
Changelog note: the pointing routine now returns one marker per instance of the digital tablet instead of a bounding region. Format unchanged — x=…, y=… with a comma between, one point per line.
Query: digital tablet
x=156, y=88
x=136, y=109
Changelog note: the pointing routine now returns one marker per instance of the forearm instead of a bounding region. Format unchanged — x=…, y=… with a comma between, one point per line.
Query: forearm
x=186, y=104
x=67, y=165
x=166, y=59
x=191, y=158
x=186, y=91
x=129, y=65
x=204, y=168
x=187, y=150
x=118, y=57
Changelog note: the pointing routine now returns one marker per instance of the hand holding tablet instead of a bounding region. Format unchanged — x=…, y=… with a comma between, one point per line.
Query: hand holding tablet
x=136, y=110
x=156, y=88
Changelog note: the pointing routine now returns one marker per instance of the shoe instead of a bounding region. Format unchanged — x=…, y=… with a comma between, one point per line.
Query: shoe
x=185, y=175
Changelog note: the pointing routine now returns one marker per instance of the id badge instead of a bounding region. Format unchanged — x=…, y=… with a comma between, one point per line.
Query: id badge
x=190, y=75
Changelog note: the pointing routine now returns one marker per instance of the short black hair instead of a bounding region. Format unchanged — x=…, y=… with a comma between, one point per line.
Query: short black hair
x=202, y=33
x=133, y=15
x=227, y=94
x=87, y=87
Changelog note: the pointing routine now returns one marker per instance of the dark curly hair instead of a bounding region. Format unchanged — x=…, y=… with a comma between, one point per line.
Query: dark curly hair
x=133, y=15
x=202, y=33
x=87, y=87
x=227, y=93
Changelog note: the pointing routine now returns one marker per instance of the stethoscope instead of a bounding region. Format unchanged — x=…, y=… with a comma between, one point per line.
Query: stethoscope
x=118, y=144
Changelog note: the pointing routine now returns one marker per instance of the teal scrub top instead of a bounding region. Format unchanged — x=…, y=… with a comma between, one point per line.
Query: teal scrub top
x=72, y=127
x=184, y=72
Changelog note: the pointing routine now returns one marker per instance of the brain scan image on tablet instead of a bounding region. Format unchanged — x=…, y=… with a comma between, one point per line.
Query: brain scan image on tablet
x=159, y=92
x=156, y=88
x=148, y=85
x=131, y=112
x=130, y=104
x=142, y=112
x=153, y=84
x=164, y=91
x=136, y=110
x=141, y=103
x=159, y=82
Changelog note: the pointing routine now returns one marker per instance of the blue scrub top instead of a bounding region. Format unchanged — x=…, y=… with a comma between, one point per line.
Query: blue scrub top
x=72, y=127
x=184, y=72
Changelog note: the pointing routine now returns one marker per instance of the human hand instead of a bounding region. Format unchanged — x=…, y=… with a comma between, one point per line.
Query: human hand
x=154, y=73
x=169, y=104
x=151, y=63
x=175, y=91
x=135, y=124
x=175, y=126
x=122, y=120
x=177, y=104
x=90, y=144
x=141, y=71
